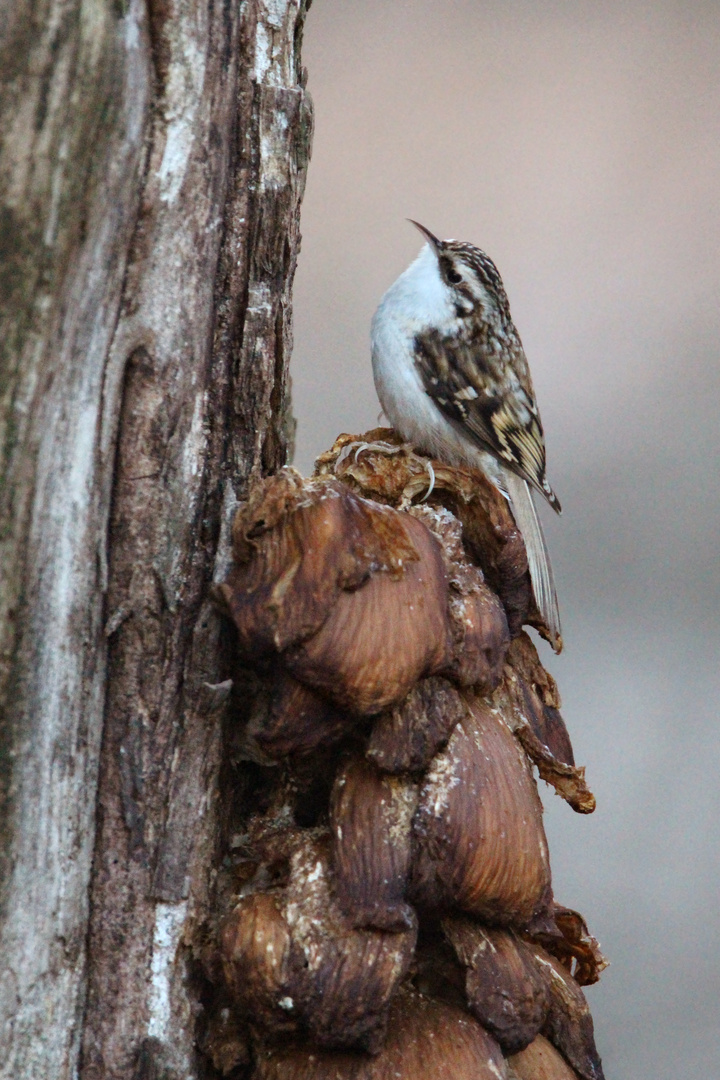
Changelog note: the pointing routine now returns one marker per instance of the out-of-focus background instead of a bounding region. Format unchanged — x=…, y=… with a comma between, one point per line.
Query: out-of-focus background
x=579, y=144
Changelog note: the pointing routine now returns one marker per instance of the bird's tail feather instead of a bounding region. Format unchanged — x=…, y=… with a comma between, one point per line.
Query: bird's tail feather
x=541, y=574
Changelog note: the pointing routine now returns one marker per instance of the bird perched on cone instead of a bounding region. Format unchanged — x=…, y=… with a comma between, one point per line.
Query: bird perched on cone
x=453, y=380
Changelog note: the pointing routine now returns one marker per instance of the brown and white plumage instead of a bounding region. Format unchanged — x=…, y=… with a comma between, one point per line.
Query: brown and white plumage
x=453, y=379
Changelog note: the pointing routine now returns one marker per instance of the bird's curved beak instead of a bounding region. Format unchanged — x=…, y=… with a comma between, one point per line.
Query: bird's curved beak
x=432, y=240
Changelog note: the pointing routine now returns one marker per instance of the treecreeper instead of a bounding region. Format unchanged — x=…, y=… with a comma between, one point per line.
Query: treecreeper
x=453, y=379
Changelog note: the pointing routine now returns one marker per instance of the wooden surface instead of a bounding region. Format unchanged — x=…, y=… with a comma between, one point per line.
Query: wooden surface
x=153, y=165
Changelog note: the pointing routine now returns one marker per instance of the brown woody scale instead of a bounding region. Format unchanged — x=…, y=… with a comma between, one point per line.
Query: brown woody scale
x=386, y=901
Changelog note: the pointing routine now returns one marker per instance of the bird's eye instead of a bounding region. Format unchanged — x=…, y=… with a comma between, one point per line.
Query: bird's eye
x=453, y=277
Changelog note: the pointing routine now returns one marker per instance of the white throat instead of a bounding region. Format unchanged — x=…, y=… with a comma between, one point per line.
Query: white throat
x=419, y=297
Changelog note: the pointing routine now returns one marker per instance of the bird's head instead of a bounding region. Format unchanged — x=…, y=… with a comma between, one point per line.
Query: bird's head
x=470, y=277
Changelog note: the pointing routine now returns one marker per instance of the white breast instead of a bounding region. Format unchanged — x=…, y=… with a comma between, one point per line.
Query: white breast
x=418, y=299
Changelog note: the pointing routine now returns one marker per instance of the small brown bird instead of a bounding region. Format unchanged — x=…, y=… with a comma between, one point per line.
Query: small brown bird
x=453, y=380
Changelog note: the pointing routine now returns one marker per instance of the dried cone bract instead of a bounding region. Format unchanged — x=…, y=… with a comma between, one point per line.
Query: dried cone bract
x=407, y=737
x=335, y=584
x=294, y=964
x=530, y=702
x=539, y=1061
x=371, y=818
x=383, y=602
x=380, y=638
x=571, y=942
x=297, y=720
x=477, y=618
x=479, y=832
x=426, y=1040
x=569, y=1025
x=256, y=959
x=507, y=990
x=489, y=530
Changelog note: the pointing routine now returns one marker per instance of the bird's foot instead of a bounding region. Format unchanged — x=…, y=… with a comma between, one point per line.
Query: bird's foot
x=362, y=447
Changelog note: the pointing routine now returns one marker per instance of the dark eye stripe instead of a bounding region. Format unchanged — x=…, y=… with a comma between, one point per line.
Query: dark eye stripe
x=449, y=272
x=481, y=266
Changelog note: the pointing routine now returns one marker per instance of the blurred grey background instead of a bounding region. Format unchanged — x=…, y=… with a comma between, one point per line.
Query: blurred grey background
x=579, y=144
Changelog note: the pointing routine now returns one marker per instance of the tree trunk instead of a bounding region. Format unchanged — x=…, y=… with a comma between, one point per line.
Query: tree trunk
x=153, y=165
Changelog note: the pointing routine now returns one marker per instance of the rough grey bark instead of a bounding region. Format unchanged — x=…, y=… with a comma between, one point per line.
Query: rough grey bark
x=151, y=173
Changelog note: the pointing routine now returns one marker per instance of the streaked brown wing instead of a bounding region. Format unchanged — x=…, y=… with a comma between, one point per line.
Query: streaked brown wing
x=482, y=393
